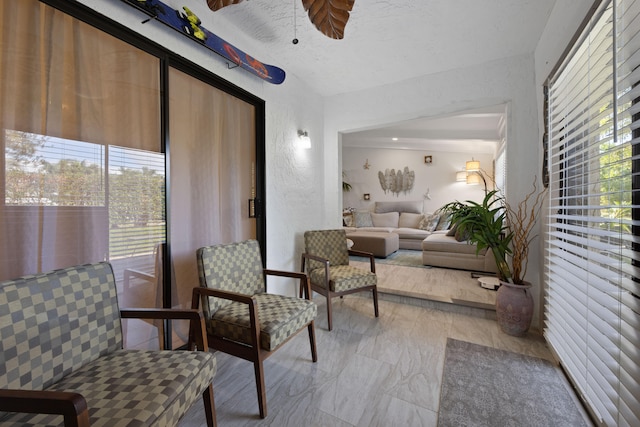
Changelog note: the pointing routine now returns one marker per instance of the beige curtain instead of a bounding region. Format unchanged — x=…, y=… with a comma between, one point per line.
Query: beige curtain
x=60, y=78
x=212, y=145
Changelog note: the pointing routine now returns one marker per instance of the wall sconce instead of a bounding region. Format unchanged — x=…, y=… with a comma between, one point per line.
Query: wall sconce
x=366, y=196
x=305, y=141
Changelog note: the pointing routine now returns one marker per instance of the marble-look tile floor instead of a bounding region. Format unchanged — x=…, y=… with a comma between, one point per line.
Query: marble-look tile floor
x=371, y=371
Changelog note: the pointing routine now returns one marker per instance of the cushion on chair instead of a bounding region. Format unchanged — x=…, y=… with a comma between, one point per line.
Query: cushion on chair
x=343, y=277
x=133, y=387
x=328, y=244
x=236, y=267
x=280, y=317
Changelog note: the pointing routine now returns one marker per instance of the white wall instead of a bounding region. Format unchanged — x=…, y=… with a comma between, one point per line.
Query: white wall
x=437, y=177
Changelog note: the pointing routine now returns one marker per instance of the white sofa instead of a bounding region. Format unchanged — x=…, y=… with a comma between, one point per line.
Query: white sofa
x=401, y=218
x=429, y=233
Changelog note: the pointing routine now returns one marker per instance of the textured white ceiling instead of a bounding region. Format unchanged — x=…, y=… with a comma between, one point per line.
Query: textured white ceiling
x=386, y=41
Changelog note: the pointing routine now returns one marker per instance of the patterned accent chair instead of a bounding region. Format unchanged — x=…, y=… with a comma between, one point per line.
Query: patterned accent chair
x=62, y=362
x=241, y=318
x=326, y=261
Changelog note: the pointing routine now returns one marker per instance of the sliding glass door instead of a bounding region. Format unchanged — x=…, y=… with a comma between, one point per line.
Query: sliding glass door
x=86, y=120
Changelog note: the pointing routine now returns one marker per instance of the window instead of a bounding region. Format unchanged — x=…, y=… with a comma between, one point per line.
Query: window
x=592, y=306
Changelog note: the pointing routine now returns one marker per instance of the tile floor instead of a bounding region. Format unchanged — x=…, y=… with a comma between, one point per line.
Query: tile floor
x=371, y=371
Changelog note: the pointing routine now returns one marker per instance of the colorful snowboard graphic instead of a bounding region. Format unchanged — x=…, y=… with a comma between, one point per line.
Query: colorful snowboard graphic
x=188, y=24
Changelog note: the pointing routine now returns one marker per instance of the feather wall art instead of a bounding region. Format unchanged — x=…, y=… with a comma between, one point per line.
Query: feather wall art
x=397, y=182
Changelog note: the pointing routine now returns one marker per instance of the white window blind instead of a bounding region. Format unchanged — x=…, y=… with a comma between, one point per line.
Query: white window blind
x=591, y=303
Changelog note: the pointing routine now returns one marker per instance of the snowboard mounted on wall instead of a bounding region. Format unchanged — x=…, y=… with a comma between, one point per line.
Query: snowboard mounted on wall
x=188, y=24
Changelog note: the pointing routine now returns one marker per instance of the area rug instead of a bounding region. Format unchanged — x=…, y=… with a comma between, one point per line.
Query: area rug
x=403, y=257
x=484, y=386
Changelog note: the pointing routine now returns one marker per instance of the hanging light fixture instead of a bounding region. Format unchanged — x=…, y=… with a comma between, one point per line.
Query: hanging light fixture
x=461, y=176
x=473, y=179
x=473, y=165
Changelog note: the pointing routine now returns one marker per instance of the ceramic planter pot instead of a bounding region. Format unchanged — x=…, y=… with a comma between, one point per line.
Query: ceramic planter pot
x=514, y=308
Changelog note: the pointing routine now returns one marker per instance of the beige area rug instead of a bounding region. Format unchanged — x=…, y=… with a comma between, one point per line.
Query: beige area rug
x=485, y=386
x=434, y=284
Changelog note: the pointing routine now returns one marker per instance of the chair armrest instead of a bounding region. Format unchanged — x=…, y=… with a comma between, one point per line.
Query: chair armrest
x=325, y=261
x=210, y=292
x=197, y=333
x=71, y=405
x=313, y=257
x=201, y=293
x=369, y=255
x=304, y=279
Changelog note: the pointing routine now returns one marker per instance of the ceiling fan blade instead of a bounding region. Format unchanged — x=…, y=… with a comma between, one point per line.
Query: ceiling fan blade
x=219, y=4
x=329, y=16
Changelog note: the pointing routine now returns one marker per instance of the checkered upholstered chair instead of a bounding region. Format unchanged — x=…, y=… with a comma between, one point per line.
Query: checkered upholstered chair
x=62, y=361
x=326, y=260
x=241, y=318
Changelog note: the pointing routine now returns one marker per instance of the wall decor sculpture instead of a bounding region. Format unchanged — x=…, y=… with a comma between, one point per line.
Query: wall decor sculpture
x=397, y=182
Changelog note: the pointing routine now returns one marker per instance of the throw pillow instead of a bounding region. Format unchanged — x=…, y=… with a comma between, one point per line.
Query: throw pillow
x=362, y=219
x=409, y=220
x=429, y=222
x=347, y=220
x=444, y=222
x=389, y=219
x=452, y=231
x=460, y=235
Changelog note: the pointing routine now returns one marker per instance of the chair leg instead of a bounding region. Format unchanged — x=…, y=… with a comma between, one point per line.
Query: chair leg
x=375, y=301
x=209, y=406
x=312, y=341
x=329, y=311
x=262, y=394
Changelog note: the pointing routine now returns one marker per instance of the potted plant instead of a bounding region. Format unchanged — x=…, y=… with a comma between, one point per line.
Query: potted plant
x=505, y=230
x=345, y=185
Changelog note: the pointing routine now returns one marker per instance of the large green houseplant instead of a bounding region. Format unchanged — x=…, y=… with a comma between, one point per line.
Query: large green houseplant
x=497, y=226
x=506, y=231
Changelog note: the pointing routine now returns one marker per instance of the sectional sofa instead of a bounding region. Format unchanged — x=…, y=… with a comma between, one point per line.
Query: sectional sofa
x=402, y=225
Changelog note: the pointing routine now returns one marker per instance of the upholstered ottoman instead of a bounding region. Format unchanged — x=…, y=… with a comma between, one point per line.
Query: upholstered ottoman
x=381, y=245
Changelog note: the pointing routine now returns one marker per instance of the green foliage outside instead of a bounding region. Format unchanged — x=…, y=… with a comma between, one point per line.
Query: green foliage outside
x=35, y=175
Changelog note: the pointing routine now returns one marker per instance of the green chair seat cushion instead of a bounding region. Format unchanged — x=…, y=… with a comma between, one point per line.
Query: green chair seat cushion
x=133, y=387
x=279, y=316
x=343, y=277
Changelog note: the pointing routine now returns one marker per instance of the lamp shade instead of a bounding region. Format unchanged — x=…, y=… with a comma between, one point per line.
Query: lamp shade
x=461, y=176
x=473, y=166
x=473, y=179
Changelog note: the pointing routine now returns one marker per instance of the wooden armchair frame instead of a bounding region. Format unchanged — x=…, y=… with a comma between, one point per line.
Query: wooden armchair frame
x=254, y=352
x=73, y=406
x=325, y=289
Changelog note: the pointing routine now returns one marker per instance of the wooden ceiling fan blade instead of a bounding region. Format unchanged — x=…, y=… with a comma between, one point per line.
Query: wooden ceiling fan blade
x=329, y=16
x=219, y=4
